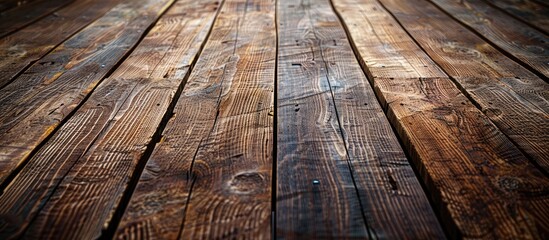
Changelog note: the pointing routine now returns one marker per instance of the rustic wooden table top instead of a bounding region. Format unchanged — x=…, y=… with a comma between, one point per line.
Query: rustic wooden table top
x=286, y=119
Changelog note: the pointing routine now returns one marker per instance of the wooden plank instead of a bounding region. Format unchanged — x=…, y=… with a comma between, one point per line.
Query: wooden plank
x=480, y=182
x=210, y=176
x=19, y=50
x=530, y=12
x=332, y=130
x=42, y=97
x=17, y=18
x=525, y=44
x=75, y=183
x=516, y=100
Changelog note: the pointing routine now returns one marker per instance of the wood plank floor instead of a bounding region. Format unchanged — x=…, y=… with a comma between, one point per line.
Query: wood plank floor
x=274, y=119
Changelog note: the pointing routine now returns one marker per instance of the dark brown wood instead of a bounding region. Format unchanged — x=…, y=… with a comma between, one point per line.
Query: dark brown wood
x=525, y=43
x=532, y=13
x=9, y=4
x=542, y=2
x=210, y=176
x=17, y=18
x=482, y=185
x=116, y=125
x=341, y=171
x=516, y=100
x=38, y=100
x=28, y=45
x=97, y=151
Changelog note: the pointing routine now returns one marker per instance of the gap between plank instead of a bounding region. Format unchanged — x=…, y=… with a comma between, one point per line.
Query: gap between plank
x=275, y=132
x=190, y=172
x=471, y=29
x=467, y=94
x=407, y=154
x=341, y=130
x=110, y=231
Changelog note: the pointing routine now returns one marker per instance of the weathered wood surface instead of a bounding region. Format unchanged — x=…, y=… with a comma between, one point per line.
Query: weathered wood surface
x=531, y=12
x=101, y=136
x=341, y=171
x=210, y=176
x=42, y=97
x=26, y=46
x=124, y=113
x=480, y=182
x=523, y=42
x=17, y=18
x=516, y=100
x=95, y=154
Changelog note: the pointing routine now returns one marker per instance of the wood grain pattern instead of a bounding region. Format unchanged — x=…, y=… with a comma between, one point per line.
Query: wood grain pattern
x=331, y=129
x=75, y=182
x=38, y=100
x=28, y=45
x=532, y=13
x=210, y=176
x=516, y=100
x=481, y=183
x=17, y=18
x=525, y=43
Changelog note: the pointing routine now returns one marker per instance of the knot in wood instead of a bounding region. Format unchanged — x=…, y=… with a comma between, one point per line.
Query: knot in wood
x=509, y=183
x=247, y=183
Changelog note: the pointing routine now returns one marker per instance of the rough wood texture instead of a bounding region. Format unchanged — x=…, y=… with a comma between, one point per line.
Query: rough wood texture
x=17, y=18
x=38, y=100
x=28, y=45
x=102, y=137
x=210, y=176
x=331, y=129
x=516, y=100
x=532, y=13
x=525, y=43
x=97, y=151
x=481, y=183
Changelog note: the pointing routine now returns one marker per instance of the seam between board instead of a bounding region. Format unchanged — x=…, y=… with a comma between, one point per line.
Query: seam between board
x=370, y=231
x=408, y=152
x=190, y=174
